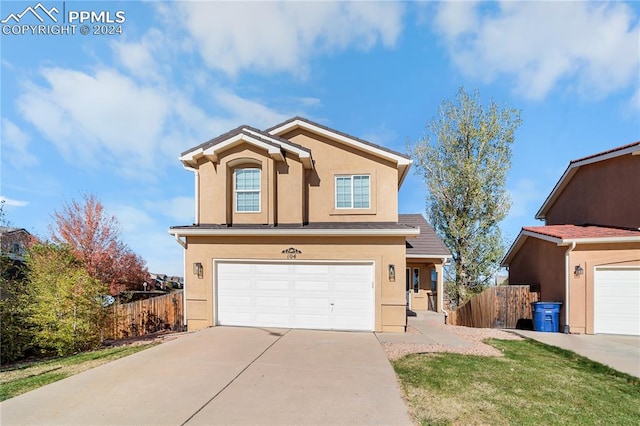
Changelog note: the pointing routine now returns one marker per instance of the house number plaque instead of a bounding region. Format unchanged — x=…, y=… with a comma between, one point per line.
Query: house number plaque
x=291, y=252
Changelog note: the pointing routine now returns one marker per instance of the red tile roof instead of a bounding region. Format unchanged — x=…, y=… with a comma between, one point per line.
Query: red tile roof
x=575, y=232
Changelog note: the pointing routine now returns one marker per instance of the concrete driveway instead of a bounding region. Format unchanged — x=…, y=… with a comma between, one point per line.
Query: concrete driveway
x=227, y=375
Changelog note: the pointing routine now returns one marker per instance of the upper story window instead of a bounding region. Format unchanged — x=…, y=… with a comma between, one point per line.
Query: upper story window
x=247, y=190
x=353, y=192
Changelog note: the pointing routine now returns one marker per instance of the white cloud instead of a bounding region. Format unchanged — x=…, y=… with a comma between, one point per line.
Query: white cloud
x=179, y=209
x=107, y=120
x=100, y=119
x=248, y=111
x=15, y=146
x=283, y=36
x=140, y=57
x=13, y=203
x=544, y=44
x=526, y=197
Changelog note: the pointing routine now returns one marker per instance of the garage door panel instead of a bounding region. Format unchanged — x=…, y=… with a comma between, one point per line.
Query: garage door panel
x=295, y=295
x=617, y=301
x=272, y=269
x=304, y=285
x=272, y=285
x=312, y=302
x=311, y=270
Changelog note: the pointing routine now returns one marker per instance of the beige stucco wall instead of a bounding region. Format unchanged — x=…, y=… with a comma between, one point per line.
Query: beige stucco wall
x=426, y=298
x=542, y=262
x=390, y=301
x=216, y=187
x=332, y=159
x=603, y=193
x=289, y=193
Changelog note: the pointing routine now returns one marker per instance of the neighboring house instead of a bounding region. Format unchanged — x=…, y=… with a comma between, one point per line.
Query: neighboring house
x=14, y=242
x=164, y=282
x=587, y=255
x=297, y=226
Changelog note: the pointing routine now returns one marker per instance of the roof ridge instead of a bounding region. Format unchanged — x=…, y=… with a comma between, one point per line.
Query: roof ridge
x=338, y=132
x=609, y=151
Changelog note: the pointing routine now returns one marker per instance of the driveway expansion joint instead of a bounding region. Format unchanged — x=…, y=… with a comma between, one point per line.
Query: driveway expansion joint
x=235, y=378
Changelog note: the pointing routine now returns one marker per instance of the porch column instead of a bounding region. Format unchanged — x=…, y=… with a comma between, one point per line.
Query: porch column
x=439, y=287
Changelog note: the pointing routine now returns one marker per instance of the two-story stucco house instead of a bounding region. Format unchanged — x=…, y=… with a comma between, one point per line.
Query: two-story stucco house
x=297, y=226
x=587, y=255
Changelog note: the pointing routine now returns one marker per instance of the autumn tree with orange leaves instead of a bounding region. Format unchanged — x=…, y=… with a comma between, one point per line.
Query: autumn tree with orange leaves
x=94, y=238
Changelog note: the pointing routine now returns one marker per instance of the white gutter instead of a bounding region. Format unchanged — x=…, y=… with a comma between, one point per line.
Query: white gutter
x=567, y=278
x=182, y=243
x=444, y=258
x=243, y=232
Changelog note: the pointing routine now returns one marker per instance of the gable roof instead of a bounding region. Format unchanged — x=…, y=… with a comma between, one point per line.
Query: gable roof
x=274, y=145
x=402, y=161
x=426, y=244
x=574, y=165
x=563, y=235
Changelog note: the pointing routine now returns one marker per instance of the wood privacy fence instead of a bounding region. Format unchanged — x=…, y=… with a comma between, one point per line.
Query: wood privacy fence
x=497, y=307
x=147, y=316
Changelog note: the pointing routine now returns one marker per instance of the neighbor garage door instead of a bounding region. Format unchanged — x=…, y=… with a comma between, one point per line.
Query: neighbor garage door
x=617, y=301
x=327, y=296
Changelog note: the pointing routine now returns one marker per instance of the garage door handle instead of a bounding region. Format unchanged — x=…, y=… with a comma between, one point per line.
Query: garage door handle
x=331, y=306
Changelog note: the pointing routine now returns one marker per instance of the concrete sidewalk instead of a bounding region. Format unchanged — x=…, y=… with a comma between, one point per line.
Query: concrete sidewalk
x=621, y=353
x=427, y=333
x=227, y=375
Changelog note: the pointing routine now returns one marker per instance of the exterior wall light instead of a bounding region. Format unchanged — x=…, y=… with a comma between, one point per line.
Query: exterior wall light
x=579, y=271
x=392, y=273
x=198, y=269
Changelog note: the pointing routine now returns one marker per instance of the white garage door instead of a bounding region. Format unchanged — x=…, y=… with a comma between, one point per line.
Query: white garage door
x=617, y=301
x=326, y=296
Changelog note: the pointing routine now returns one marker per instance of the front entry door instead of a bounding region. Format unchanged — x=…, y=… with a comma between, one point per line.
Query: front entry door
x=408, y=287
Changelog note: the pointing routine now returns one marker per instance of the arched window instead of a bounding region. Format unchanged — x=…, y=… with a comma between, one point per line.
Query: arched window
x=247, y=190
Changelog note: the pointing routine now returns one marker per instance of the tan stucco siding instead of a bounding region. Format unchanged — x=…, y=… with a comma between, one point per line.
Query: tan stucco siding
x=604, y=193
x=582, y=287
x=333, y=159
x=216, y=187
x=543, y=263
x=390, y=302
x=427, y=297
x=290, y=192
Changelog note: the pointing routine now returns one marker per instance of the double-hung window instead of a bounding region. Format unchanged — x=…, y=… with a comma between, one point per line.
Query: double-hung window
x=247, y=190
x=353, y=192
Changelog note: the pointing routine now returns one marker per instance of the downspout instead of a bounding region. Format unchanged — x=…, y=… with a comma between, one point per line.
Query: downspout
x=184, y=278
x=184, y=286
x=567, y=278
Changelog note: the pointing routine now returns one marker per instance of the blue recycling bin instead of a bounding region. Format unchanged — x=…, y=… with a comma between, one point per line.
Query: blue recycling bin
x=545, y=316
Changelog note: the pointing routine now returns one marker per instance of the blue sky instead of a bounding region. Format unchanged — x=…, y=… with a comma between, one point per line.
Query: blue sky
x=109, y=114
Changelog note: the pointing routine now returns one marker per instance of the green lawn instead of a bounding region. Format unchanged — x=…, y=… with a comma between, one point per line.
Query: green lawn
x=532, y=384
x=18, y=379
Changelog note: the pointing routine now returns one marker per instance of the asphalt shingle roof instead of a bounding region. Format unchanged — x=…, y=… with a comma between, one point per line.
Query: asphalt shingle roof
x=427, y=243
